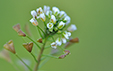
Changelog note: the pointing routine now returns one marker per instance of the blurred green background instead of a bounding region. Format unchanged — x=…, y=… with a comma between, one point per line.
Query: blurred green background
x=93, y=18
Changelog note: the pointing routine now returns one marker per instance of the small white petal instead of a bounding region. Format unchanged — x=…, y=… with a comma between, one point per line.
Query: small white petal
x=42, y=16
x=53, y=19
x=59, y=42
x=34, y=21
x=56, y=11
x=72, y=28
x=64, y=40
x=66, y=34
x=54, y=45
x=61, y=25
x=46, y=8
x=67, y=19
x=33, y=13
x=39, y=11
x=62, y=14
x=50, y=25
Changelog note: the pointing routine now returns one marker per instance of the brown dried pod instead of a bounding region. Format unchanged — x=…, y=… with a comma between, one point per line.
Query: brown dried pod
x=16, y=27
x=39, y=40
x=62, y=56
x=9, y=46
x=21, y=33
x=67, y=52
x=28, y=46
x=75, y=40
x=5, y=55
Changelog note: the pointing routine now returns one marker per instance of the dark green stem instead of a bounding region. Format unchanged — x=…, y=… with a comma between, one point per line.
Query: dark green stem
x=34, y=57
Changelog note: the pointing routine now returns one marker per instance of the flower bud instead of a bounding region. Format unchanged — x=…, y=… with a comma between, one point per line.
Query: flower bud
x=62, y=56
x=50, y=26
x=61, y=25
x=39, y=11
x=16, y=27
x=42, y=16
x=34, y=14
x=28, y=46
x=72, y=28
x=49, y=13
x=75, y=40
x=62, y=14
x=59, y=42
x=10, y=47
x=56, y=11
x=34, y=22
x=5, y=55
x=54, y=45
x=21, y=33
x=53, y=19
x=67, y=19
x=39, y=40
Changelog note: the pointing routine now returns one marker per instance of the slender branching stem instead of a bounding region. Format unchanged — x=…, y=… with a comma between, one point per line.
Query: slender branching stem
x=39, y=56
x=23, y=62
x=50, y=56
x=34, y=42
x=41, y=30
x=34, y=57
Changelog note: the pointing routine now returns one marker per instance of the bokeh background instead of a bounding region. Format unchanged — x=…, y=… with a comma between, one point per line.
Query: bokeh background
x=93, y=18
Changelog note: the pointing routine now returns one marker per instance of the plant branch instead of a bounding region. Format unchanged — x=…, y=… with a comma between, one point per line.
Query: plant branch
x=40, y=54
x=34, y=57
x=34, y=42
x=23, y=62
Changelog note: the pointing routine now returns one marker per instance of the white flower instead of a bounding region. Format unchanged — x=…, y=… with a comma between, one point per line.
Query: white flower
x=72, y=28
x=66, y=34
x=59, y=42
x=42, y=16
x=61, y=25
x=34, y=14
x=34, y=21
x=56, y=11
x=67, y=19
x=54, y=45
x=50, y=26
x=53, y=19
x=62, y=14
x=64, y=40
x=46, y=8
x=49, y=13
x=39, y=11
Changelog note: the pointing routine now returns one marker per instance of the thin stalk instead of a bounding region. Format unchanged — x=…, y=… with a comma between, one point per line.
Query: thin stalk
x=23, y=62
x=41, y=30
x=34, y=42
x=34, y=57
x=50, y=56
x=39, y=56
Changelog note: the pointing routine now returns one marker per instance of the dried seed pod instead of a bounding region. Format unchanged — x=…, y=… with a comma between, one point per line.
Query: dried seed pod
x=75, y=40
x=67, y=52
x=16, y=27
x=62, y=56
x=21, y=33
x=9, y=46
x=39, y=40
x=28, y=46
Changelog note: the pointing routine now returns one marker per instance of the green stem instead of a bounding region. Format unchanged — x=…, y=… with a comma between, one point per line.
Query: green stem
x=34, y=57
x=34, y=42
x=50, y=56
x=40, y=33
x=41, y=30
x=40, y=54
x=23, y=62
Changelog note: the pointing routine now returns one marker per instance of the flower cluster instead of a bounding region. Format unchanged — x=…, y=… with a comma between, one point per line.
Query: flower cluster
x=55, y=21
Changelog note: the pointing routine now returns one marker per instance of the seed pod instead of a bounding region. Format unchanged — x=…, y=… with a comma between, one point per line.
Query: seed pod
x=21, y=33
x=75, y=40
x=10, y=47
x=62, y=56
x=67, y=52
x=28, y=46
x=16, y=27
x=39, y=40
